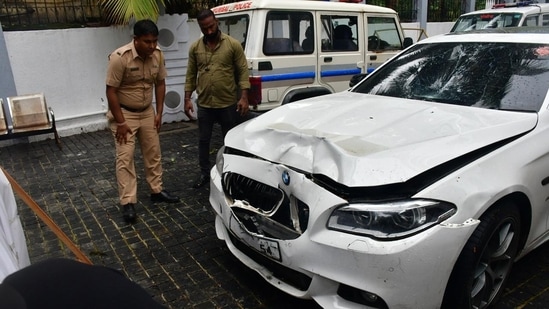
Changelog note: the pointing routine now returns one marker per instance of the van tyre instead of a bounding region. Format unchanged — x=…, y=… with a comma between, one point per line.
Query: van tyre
x=485, y=263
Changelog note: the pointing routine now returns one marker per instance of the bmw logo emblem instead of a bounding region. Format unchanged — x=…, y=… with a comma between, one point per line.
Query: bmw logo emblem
x=286, y=177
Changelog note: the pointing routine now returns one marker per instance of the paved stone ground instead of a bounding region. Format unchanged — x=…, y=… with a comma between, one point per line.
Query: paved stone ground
x=172, y=250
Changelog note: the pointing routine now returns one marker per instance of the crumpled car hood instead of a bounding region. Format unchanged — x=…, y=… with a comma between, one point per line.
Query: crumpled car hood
x=367, y=140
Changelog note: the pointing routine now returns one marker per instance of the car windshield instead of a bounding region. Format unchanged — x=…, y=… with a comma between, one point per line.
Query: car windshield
x=506, y=76
x=487, y=21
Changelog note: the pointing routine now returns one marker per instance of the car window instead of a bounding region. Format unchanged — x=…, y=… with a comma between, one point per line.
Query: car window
x=285, y=32
x=487, y=21
x=339, y=33
x=383, y=33
x=487, y=75
x=235, y=26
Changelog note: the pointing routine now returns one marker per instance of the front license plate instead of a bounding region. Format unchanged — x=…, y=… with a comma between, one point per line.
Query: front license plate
x=265, y=246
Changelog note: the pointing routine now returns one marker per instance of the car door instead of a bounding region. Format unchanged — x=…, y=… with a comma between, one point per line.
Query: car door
x=340, y=35
x=284, y=65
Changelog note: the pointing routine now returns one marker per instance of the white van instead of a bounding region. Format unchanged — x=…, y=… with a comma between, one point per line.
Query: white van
x=516, y=14
x=298, y=49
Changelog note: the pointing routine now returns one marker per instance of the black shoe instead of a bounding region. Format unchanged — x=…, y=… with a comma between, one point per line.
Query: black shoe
x=128, y=212
x=164, y=196
x=201, y=181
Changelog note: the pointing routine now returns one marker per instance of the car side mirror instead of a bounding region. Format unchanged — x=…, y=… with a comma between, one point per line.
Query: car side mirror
x=356, y=79
x=408, y=42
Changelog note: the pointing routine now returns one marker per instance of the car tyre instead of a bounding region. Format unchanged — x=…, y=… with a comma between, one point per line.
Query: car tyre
x=485, y=262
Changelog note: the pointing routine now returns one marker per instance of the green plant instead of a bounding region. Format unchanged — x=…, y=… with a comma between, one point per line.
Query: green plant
x=121, y=12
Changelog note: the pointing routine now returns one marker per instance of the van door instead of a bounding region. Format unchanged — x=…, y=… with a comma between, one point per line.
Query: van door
x=340, y=43
x=286, y=68
x=384, y=40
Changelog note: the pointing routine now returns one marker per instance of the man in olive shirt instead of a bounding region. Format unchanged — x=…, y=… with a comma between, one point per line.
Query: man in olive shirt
x=217, y=69
x=134, y=70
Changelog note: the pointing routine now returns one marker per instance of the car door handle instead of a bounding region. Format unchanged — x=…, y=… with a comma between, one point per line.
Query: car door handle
x=328, y=59
x=264, y=66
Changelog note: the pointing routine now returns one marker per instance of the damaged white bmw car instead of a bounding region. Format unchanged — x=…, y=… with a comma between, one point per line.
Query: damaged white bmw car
x=418, y=188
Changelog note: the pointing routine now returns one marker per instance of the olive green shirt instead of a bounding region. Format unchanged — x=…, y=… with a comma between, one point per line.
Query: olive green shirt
x=217, y=74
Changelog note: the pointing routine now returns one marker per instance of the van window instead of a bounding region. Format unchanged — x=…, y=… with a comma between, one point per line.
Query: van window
x=308, y=44
x=235, y=26
x=545, y=20
x=530, y=21
x=383, y=34
x=285, y=32
x=339, y=33
x=487, y=20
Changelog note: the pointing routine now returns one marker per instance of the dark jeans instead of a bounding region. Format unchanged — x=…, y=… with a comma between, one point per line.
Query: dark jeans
x=207, y=117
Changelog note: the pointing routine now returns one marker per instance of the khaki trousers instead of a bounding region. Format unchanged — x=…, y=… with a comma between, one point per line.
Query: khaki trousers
x=142, y=126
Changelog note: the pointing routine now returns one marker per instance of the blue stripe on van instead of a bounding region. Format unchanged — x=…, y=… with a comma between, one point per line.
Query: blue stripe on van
x=287, y=76
x=340, y=72
x=310, y=74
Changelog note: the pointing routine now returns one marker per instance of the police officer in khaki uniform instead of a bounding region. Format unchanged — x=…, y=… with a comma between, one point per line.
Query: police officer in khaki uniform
x=134, y=70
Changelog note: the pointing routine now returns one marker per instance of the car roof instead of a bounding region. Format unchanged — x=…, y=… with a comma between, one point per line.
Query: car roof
x=510, y=34
x=529, y=8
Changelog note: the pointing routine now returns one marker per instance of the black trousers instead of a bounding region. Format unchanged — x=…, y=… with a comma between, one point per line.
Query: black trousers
x=226, y=117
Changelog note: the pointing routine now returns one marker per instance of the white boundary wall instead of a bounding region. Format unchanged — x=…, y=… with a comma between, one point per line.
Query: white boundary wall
x=69, y=67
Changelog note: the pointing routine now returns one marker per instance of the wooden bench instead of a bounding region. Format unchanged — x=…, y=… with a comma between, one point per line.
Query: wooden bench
x=29, y=115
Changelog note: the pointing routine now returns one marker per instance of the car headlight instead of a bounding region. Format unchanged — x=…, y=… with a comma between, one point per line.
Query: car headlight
x=390, y=220
x=219, y=160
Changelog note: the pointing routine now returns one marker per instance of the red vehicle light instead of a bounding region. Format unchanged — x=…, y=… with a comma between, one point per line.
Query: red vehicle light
x=486, y=16
x=513, y=4
x=254, y=95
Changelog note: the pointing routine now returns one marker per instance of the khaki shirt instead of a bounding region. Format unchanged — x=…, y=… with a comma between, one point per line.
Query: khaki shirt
x=217, y=74
x=133, y=76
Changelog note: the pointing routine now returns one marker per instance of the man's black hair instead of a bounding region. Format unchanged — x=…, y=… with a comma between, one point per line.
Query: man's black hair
x=144, y=27
x=204, y=14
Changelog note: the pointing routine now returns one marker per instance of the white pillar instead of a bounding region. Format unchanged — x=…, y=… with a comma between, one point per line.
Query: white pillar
x=470, y=5
x=422, y=14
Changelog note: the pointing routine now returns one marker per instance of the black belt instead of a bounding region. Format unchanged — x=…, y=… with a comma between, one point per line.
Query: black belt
x=133, y=110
